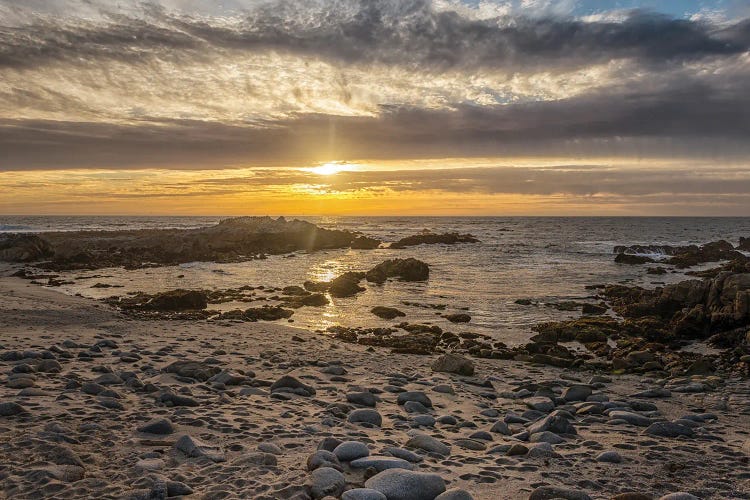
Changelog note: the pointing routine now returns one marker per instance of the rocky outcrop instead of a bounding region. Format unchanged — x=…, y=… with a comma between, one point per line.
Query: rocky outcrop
x=178, y=300
x=433, y=239
x=24, y=248
x=405, y=269
x=232, y=240
x=679, y=256
x=345, y=285
x=744, y=244
x=365, y=243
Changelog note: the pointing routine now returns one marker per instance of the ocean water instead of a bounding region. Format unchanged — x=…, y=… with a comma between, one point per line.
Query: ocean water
x=545, y=259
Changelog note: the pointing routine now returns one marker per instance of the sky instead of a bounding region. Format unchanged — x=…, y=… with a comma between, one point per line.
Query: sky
x=375, y=107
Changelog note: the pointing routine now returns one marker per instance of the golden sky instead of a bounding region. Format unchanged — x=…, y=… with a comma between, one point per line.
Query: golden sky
x=374, y=107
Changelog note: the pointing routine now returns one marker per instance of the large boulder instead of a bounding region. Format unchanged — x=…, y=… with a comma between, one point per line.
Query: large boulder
x=409, y=269
x=24, y=248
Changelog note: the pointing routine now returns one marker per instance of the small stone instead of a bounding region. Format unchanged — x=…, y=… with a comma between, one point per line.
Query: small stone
x=668, y=429
x=351, y=450
x=362, y=398
x=455, y=494
x=287, y=383
x=11, y=409
x=417, y=396
x=576, y=393
x=453, y=363
x=429, y=444
x=326, y=481
x=611, y=457
x=541, y=403
x=551, y=492
x=399, y=484
x=363, y=494
x=381, y=463
x=193, y=447
x=680, y=495
x=160, y=426
x=365, y=415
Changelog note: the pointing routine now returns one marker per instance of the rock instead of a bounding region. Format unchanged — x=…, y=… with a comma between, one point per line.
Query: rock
x=346, y=285
x=455, y=494
x=172, y=399
x=363, y=494
x=453, y=363
x=270, y=448
x=365, y=243
x=632, y=496
x=381, y=463
x=361, y=398
x=160, y=426
x=418, y=396
x=365, y=415
x=351, y=450
x=399, y=484
x=429, y=444
x=11, y=409
x=326, y=481
x=405, y=269
x=428, y=238
x=24, y=248
x=387, y=312
x=259, y=459
x=192, y=369
x=551, y=492
x=576, y=393
x=546, y=437
x=267, y=313
x=287, y=383
x=517, y=449
x=552, y=423
x=611, y=457
x=680, y=495
x=668, y=429
x=195, y=448
x=178, y=300
x=323, y=458
x=630, y=417
x=404, y=454
x=501, y=427
x=540, y=403
x=458, y=318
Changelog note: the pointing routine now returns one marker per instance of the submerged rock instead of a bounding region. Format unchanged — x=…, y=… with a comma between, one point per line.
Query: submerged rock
x=405, y=269
x=433, y=239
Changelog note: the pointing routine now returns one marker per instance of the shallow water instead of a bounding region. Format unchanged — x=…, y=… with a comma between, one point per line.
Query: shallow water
x=545, y=259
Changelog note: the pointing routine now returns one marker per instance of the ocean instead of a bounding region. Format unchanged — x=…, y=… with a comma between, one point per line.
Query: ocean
x=547, y=260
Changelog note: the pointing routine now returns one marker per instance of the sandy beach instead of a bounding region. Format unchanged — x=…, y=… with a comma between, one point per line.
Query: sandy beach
x=80, y=382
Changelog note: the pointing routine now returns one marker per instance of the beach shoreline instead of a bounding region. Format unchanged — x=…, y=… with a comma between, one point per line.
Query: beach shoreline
x=240, y=418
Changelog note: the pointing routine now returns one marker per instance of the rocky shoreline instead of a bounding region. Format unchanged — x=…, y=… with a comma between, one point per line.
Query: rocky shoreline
x=201, y=409
x=616, y=403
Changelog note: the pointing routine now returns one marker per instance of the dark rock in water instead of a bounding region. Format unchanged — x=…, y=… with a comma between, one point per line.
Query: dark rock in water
x=458, y=318
x=192, y=369
x=405, y=269
x=744, y=244
x=267, y=313
x=593, y=309
x=626, y=258
x=658, y=270
x=24, y=248
x=365, y=243
x=453, y=363
x=345, y=285
x=387, y=312
x=231, y=240
x=178, y=300
x=308, y=299
x=432, y=239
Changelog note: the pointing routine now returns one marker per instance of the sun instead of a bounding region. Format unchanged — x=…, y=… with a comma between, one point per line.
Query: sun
x=331, y=168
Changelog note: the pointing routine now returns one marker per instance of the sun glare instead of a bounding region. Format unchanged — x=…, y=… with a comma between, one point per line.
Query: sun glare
x=331, y=168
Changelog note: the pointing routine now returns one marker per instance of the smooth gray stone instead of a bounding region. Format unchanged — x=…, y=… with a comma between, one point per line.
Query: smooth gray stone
x=351, y=450
x=399, y=484
x=381, y=463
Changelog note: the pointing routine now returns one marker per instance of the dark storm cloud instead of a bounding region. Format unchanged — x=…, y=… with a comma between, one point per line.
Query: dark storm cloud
x=408, y=32
x=679, y=117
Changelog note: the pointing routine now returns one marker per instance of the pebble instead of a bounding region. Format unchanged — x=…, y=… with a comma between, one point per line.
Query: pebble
x=363, y=494
x=429, y=444
x=609, y=457
x=326, y=481
x=351, y=450
x=455, y=494
x=195, y=448
x=160, y=426
x=365, y=415
x=381, y=463
x=11, y=409
x=416, y=396
x=399, y=484
x=668, y=429
x=551, y=492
